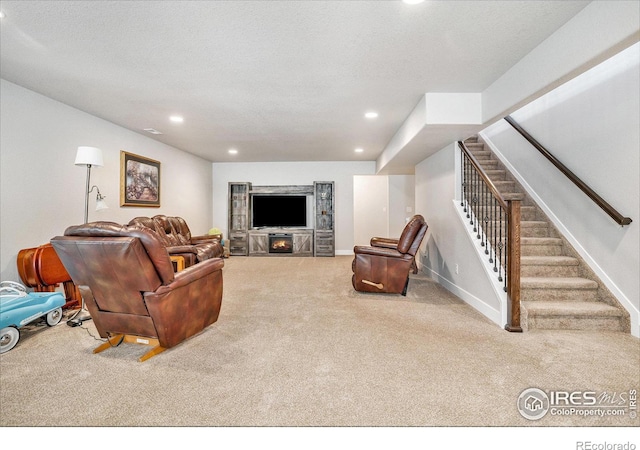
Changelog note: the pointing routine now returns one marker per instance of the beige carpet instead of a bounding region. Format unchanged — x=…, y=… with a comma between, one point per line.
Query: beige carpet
x=295, y=345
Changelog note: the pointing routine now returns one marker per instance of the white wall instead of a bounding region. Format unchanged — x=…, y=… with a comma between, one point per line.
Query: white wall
x=453, y=108
x=409, y=129
x=449, y=255
x=599, y=31
x=294, y=173
x=592, y=125
x=42, y=191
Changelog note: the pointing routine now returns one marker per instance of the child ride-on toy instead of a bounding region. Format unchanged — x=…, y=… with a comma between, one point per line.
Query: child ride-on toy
x=18, y=308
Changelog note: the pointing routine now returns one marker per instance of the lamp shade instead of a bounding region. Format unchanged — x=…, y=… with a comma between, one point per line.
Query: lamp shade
x=101, y=204
x=89, y=156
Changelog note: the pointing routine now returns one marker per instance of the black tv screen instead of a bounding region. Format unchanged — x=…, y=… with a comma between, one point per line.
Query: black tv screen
x=279, y=211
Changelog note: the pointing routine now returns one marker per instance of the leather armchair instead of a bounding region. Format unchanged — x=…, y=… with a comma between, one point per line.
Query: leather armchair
x=127, y=281
x=384, y=266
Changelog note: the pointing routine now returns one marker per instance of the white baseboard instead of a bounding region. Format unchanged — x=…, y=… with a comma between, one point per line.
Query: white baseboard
x=476, y=303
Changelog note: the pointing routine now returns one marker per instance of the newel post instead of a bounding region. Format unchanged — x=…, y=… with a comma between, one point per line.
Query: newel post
x=513, y=275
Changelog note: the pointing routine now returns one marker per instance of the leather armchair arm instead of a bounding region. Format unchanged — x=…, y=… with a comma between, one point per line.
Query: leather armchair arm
x=187, y=305
x=384, y=242
x=177, y=249
x=206, y=238
x=190, y=274
x=380, y=251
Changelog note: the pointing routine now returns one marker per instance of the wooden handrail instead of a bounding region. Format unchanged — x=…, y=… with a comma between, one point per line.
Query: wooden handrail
x=606, y=207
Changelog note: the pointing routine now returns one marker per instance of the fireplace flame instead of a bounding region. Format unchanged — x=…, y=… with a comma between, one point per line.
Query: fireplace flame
x=280, y=244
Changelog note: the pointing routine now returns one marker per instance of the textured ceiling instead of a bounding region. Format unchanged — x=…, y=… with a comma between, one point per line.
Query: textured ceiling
x=277, y=80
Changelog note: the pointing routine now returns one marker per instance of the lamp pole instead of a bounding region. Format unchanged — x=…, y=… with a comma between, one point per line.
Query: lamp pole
x=86, y=195
x=86, y=156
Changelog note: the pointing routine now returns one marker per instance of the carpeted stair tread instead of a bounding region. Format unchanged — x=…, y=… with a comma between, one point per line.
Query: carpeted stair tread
x=540, y=241
x=540, y=246
x=486, y=163
x=576, y=283
x=548, y=261
x=528, y=213
x=504, y=184
x=528, y=228
x=495, y=174
x=512, y=195
x=533, y=224
x=589, y=309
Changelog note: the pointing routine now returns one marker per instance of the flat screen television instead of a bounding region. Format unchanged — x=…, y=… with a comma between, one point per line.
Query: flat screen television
x=279, y=211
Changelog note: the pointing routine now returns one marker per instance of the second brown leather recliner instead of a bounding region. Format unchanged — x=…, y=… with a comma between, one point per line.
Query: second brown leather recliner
x=384, y=266
x=175, y=235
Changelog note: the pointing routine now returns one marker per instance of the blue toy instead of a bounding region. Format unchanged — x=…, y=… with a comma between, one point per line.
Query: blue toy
x=18, y=308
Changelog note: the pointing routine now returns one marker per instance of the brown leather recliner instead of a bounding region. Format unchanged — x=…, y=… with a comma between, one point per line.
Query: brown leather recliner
x=384, y=266
x=127, y=281
x=179, y=241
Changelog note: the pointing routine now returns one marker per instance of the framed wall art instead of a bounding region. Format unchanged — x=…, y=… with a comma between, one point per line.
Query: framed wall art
x=139, y=181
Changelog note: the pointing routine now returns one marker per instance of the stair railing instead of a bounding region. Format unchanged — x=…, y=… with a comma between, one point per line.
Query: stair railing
x=606, y=207
x=496, y=222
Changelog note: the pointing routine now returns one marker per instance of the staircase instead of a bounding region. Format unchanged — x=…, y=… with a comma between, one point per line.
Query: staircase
x=558, y=290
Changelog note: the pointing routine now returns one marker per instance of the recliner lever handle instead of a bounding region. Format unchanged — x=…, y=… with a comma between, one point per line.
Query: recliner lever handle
x=371, y=283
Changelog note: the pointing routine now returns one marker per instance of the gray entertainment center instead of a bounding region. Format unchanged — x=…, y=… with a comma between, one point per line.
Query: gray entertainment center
x=281, y=229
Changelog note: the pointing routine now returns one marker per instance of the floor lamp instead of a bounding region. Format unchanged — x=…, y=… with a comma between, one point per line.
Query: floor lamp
x=88, y=156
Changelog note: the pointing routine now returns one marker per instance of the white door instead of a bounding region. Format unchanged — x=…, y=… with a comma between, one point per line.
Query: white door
x=370, y=207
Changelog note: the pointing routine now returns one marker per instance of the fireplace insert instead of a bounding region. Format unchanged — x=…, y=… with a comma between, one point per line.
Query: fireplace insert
x=280, y=243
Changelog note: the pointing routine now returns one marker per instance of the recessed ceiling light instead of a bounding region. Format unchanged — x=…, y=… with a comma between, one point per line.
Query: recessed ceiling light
x=359, y=150
x=233, y=151
x=176, y=119
x=371, y=115
x=2, y=15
